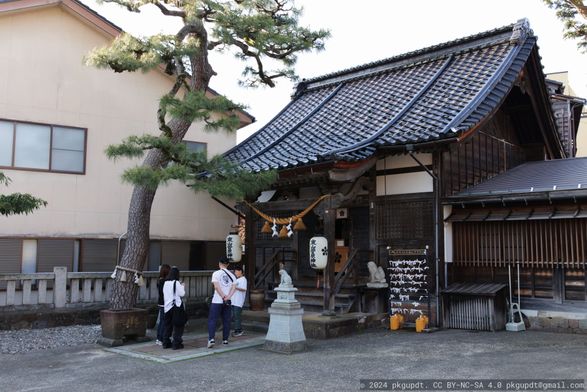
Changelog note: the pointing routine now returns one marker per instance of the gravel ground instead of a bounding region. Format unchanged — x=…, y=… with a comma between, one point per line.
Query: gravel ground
x=23, y=340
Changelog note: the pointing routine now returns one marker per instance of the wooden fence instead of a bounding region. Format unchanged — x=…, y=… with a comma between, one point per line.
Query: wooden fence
x=61, y=289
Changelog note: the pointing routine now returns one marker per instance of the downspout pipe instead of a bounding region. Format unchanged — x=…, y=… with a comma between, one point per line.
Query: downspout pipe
x=118, y=253
x=410, y=149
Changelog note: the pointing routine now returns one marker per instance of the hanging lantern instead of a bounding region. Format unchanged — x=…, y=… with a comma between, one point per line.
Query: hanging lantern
x=318, y=252
x=234, y=250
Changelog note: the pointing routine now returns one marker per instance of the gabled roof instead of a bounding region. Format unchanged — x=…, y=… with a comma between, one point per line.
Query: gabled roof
x=88, y=15
x=430, y=96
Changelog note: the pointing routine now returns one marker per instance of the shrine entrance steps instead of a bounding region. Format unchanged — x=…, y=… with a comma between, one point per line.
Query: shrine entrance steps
x=311, y=297
x=317, y=326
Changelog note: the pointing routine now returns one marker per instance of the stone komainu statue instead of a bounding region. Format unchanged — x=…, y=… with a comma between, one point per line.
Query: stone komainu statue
x=285, y=279
x=376, y=274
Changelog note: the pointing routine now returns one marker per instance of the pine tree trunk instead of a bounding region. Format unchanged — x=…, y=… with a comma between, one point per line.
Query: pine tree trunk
x=124, y=294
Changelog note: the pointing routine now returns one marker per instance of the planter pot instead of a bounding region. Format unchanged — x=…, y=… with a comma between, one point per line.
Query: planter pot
x=257, y=300
x=120, y=323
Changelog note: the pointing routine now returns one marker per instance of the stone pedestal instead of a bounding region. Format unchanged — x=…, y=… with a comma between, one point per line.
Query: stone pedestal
x=375, y=299
x=122, y=323
x=286, y=332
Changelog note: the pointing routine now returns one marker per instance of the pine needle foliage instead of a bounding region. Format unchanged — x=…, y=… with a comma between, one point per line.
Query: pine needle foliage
x=217, y=176
x=256, y=32
x=264, y=34
x=18, y=203
x=573, y=14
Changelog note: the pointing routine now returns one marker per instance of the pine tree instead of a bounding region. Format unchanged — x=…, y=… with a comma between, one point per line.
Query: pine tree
x=568, y=12
x=257, y=32
x=18, y=203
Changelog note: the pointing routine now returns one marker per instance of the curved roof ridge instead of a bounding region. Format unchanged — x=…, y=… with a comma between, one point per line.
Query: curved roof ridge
x=412, y=53
x=469, y=91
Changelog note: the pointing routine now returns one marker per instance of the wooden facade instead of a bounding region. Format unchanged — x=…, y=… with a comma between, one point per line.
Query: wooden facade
x=397, y=165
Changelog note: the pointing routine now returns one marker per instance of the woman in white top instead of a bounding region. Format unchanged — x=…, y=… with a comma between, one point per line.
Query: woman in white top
x=170, y=299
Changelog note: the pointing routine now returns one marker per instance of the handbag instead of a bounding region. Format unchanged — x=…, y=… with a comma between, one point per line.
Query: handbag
x=227, y=302
x=179, y=316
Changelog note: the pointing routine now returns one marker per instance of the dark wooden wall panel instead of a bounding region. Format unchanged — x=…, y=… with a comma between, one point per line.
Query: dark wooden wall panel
x=176, y=253
x=477, y=160
x=10, y=257
x=547, y=243
x=98, y=255
x=54, y=253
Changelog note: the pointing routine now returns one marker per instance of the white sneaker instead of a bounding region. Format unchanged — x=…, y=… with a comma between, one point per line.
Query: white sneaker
x=225, y=342
x=159, y=342
x=210, y=343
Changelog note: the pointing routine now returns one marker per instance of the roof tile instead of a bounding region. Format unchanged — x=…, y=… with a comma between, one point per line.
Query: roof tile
x=420, y=96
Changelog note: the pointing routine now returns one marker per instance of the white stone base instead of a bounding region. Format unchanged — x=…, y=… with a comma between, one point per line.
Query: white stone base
x=286, y=331
x=377, y=285
x=286, y=325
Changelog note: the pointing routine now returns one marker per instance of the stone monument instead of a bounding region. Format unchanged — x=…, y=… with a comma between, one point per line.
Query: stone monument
x=286, y=332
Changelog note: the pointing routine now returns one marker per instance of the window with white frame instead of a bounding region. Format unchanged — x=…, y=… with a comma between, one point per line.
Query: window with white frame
x=42, y=147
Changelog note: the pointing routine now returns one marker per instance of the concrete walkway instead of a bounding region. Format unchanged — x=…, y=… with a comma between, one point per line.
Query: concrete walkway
x=329, y=365
x=195, y=346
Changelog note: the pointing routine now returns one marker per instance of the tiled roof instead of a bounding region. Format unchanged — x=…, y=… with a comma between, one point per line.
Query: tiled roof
x=433, y=94
x=542, y=176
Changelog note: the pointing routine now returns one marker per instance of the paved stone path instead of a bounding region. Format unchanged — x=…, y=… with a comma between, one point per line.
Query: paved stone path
x=329, y=365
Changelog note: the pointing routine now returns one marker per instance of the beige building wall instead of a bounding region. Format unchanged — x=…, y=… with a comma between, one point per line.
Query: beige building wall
x=403, y=183
x=563, y=77
x=42, y=79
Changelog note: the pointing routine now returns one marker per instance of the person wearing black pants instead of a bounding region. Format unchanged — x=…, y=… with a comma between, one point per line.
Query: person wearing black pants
x=163, y=272
x=173, y=290
x=224, y=287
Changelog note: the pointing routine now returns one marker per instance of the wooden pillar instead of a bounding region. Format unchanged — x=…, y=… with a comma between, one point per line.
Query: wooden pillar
x=329, y=233
x=250, y=256
x=372, y=227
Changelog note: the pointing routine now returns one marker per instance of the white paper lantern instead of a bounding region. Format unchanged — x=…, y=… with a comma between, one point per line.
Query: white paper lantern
x=234, y=250
x=318, y=252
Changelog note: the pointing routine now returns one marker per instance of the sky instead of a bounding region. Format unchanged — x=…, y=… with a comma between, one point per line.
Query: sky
x=370, y=30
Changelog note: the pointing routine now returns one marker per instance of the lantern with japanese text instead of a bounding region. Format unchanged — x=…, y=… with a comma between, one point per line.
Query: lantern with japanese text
x=234, y=249
x=318, y=252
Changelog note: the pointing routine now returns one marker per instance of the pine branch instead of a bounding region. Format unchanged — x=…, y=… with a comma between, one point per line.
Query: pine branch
x=18, y=203
x=568, y=11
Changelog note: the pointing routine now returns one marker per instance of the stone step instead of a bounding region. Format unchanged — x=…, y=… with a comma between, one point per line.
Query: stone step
x=317, y=326
x=314, y=302
x=312, y=298
x=312, y=294
x=255, y=326
x=304, y=285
